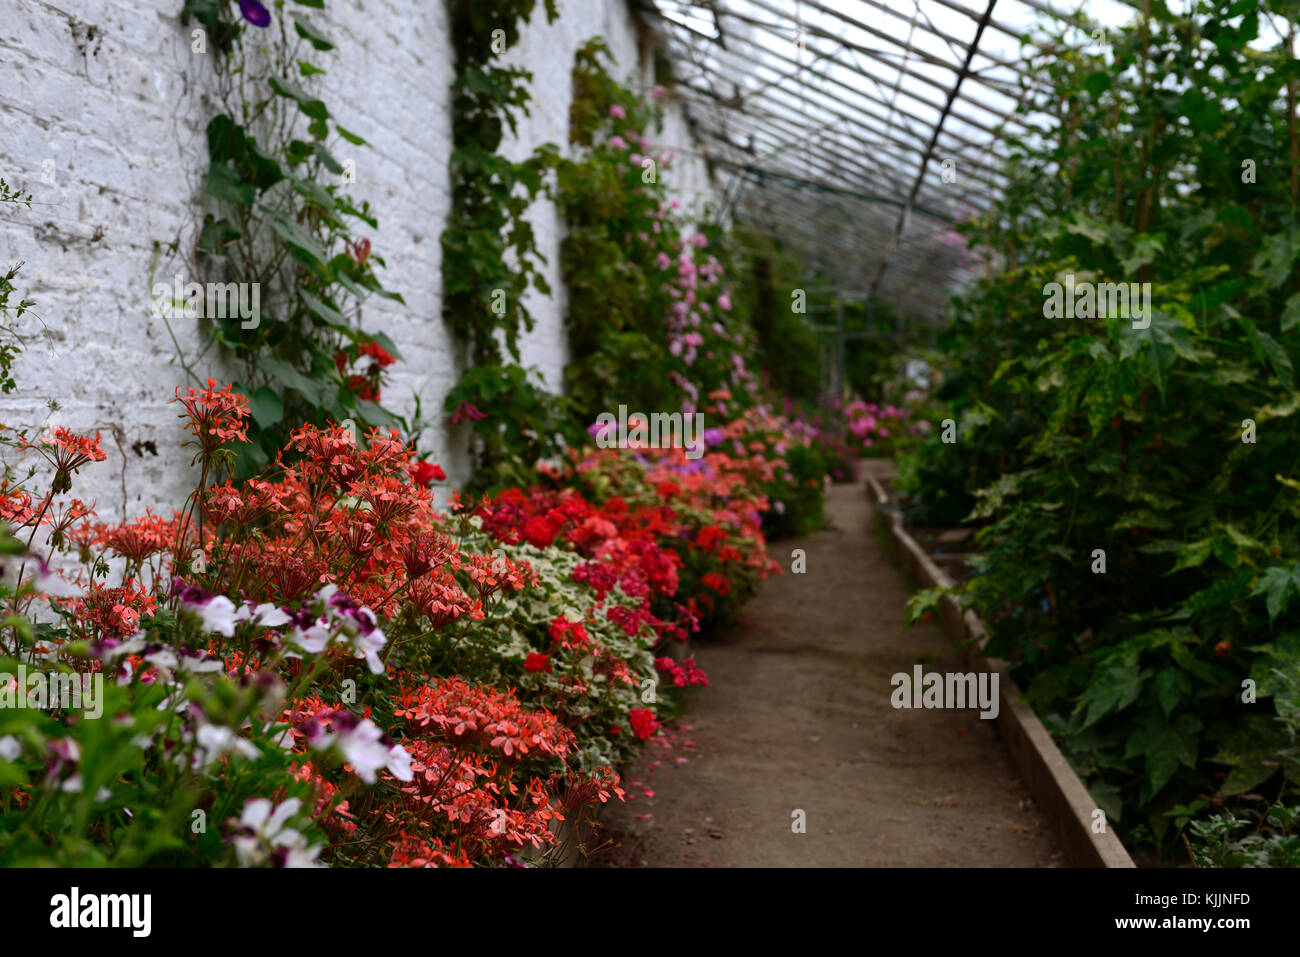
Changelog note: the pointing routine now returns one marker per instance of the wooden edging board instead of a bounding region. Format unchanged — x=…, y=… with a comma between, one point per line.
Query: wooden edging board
x=1056, y=788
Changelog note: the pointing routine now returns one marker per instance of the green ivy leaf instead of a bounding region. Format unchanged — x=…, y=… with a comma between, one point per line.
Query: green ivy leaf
x=224, y=184
x=311, y=34
x=309, y=104
x=266, y=408
x=327, y=159
x=307, y=249
x=323, y=310
x=350, y=137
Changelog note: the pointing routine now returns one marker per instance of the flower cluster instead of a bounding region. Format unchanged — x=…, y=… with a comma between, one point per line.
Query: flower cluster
x=360, y=678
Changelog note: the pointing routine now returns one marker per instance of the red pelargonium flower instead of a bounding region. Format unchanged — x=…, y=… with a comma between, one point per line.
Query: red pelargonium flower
x=377, y=352
x=438, y=598
x=115, y=612
x=717, y=582
x=537, y=662
x=711, y=535
x=424, y=552
x=569, y=634
x=424, y=473
x=483, y=717
x=138, y=540
x=67, y=452
x=363, y=387
x=489, y=574
x=359, y=250
x=644, y=723
x=216, y=415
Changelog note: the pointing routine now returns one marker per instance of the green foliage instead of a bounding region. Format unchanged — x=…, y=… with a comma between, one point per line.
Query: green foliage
x=490, y=257
x=489, y=251
x=280, y=218
x=1270, y=839
x=786, y=347
x=1104, y=432
x=651, y=325
x=10, y=345
x=522, y=425
x=800, y=494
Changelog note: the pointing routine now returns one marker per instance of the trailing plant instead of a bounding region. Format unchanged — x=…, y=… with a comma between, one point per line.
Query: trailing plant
x=490, y=258
x=281, y=222
x=10, y=344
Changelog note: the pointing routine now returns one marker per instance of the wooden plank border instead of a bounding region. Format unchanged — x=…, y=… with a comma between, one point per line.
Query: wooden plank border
x=1055, y=787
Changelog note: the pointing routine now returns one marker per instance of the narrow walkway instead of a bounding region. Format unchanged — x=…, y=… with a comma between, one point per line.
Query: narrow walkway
x=798, y=717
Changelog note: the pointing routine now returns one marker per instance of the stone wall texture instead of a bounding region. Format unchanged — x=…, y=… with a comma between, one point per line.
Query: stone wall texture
x=107, y=99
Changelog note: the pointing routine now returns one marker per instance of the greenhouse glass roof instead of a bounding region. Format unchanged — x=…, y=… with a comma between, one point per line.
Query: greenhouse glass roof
x=861, y=132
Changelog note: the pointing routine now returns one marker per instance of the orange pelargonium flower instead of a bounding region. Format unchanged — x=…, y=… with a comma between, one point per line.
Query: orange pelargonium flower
x=67, y=452
x=484, y=717
x=138, y=540
x=216, y=415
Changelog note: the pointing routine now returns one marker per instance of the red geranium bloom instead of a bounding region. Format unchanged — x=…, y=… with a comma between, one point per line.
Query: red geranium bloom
x=216, y=415
x=644, y=723
x=536, y=662
x=423, y=473
x=716, y=582
x=359, y=251
x=67, y=452
x=377, y=352
x=365, y=390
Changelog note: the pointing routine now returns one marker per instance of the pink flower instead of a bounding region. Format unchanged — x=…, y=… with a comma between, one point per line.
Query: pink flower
x=618, y=112
x=467, y=411
x=617, y=142
x=724, y=302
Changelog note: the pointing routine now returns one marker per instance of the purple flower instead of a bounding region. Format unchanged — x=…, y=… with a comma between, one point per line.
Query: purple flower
x=713, y=436
x=255, y=13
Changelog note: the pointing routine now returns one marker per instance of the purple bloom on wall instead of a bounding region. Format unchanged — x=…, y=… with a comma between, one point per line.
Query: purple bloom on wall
x=255, y=13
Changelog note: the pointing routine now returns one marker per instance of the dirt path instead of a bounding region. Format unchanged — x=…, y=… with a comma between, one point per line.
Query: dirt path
x=798, y=717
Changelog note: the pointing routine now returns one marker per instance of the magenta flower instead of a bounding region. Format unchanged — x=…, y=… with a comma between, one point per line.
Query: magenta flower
x=255, y=13
x=467, y=411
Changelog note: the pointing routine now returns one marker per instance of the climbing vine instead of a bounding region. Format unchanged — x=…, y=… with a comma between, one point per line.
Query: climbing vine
x=490, y=258
x=10, y=345
x=281, y=225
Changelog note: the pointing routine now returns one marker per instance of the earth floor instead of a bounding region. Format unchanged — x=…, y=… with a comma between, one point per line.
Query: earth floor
x=798, y=718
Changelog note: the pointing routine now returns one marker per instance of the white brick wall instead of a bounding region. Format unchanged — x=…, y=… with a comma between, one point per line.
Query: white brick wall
x=110, y=91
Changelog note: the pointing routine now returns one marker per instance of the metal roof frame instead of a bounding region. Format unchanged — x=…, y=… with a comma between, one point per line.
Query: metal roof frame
x=824, y=114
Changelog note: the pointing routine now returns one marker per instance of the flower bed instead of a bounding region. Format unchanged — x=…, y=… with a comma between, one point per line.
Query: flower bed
x=317, y=666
